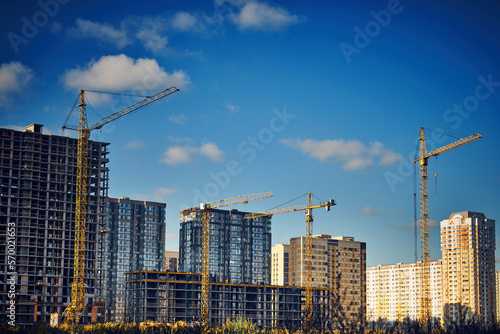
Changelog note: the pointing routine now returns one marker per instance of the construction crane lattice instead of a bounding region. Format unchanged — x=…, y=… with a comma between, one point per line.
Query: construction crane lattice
x=205, y=264
x=308, y=308
x=425, y=300
x=74, y=310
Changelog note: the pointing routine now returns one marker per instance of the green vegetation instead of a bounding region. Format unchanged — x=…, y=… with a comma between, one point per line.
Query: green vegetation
x=244, y=326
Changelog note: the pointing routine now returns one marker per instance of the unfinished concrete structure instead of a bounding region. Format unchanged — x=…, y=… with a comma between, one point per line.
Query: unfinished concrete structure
x=171, y=297
x=37, y=211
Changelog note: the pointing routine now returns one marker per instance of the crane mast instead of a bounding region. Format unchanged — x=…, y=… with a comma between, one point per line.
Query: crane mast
x=308, y=312
x=425, y=300
x=77, y=306
x=308, y=308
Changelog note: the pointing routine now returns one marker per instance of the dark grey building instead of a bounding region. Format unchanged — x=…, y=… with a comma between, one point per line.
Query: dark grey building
x=135, y=241
x=240, y=249
x=37, y=224
x=172, y=297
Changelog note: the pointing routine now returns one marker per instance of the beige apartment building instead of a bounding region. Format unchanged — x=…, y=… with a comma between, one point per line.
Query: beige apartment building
x=171, y=259
x=393, y=291
x=468, y=249
x=497, y=282
x=338, y=263
x=279, y=264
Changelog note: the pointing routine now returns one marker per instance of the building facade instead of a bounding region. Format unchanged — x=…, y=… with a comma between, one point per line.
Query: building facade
x=339, y=264
x=135, y=241
x=37, y=223
x=171, y=259
x=240, y=249
x=394, y=291
x=497, y=282
x=280, y=254
x=468, y=249
x=172, y=297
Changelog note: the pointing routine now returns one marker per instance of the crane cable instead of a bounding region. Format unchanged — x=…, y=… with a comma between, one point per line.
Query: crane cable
x=277, y=206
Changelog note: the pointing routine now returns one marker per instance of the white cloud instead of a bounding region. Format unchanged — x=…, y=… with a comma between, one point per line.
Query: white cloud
x=45, y=130
x=232, y=108
x=187, y=154
x=156, y=195
x=183, y=21
x=152, y=40
x=149, y=31
x=123, y=73
x=179, y=154
x=14, y=78
x=261, y=16
x=211, y=151
x=101, y=32
x=352, y=154
x=367, y=210
x=198, y=23
x=179, y=118
x=15, y=127
x=135, y=144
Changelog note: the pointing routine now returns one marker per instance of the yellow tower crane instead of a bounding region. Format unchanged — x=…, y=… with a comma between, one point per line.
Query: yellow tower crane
x=205, y=268
x=425, y=307
x=308, y=309
x=74, y=310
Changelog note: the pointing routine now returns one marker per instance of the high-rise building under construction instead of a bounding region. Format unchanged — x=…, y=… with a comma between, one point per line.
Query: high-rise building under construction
x=240, y=249
x=37, y=223
x=135, y=241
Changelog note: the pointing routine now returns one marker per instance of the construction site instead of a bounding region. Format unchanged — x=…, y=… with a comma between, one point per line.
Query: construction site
x=84, y=258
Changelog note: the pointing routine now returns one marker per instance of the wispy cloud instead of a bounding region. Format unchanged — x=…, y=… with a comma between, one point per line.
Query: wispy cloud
x=188, y=154
x=198, y=23
x=254, y=15
x=135, y=144
x=211, y=151
x=184, y=21
x=411, y=226
x=233, y=109
x=179, y=154
x=368, y=210
x=121, y=72
x=179, y=118
x=156, y=195
x=351, y=154
x=101, y=32
x=14, y=79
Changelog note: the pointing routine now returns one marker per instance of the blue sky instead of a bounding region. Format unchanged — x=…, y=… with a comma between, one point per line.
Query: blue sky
x=282, y=96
